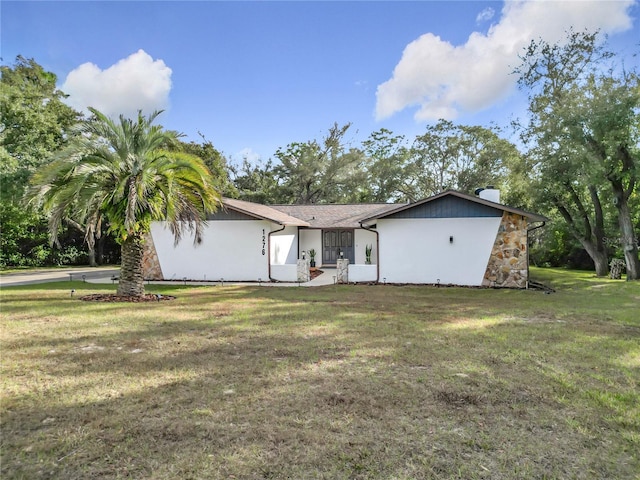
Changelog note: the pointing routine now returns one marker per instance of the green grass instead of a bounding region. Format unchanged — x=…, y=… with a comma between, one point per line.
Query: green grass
x=337, y=382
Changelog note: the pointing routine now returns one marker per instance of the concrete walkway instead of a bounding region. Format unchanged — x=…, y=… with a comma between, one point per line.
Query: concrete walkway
x=328, y=277
x=104, y=275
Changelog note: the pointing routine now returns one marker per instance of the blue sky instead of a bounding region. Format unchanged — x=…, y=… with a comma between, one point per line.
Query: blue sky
x=255, y=76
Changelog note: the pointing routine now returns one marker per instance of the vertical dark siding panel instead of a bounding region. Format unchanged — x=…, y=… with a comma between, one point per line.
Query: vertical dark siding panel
x=448, y=207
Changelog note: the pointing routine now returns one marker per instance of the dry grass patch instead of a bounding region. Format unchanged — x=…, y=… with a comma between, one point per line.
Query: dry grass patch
x=327, y=383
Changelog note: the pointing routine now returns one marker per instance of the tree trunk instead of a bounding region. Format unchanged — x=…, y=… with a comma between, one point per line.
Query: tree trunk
x=598, y=227
x=599, y=257
x=594, y=248
x=628, y=237
x=100, y=250
x=621, y=194
x=131, y=279
x=92, y=255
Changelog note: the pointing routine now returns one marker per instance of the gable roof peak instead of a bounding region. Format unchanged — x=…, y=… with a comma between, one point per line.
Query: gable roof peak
x=465, y=196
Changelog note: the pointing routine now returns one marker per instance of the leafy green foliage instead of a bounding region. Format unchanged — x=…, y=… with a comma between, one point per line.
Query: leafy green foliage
x=256, y=182
x=34, y=123
x=21, y=236
x=584, y=137
x=457, y=157
x=387, y=157
x=24, y=241
x=319, y=172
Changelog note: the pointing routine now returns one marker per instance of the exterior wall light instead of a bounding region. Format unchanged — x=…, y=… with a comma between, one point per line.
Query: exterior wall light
x=451, y=239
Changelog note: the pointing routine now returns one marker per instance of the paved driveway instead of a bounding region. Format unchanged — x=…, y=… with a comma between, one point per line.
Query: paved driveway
x=43, y=276
x=104, y=274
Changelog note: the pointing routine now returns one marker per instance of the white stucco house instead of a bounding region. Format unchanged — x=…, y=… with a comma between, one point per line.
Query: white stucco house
x=450, y=238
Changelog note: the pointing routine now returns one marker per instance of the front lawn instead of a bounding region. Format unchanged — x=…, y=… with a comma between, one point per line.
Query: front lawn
x=337, y=382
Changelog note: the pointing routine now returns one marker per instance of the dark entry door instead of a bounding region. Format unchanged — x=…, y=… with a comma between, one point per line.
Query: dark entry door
x=334, y=242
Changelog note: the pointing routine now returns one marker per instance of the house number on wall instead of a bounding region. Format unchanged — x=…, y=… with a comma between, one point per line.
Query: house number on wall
x=263, y=242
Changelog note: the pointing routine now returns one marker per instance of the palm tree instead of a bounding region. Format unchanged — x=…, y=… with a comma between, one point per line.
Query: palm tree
x=125, y=172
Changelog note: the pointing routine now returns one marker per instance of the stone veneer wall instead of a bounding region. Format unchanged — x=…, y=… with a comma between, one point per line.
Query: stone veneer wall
x=150, y=264
x=507, y=267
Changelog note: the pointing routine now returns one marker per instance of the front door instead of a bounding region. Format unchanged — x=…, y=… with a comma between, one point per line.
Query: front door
x=335, y=242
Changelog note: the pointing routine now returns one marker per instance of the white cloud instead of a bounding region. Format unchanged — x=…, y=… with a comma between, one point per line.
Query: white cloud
x=443, y=80
x=248, y=154
x=137, y=82
x=485, y=15
x=362, y=84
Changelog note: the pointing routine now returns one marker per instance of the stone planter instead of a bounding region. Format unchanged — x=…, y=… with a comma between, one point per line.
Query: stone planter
x=303, y=271
x=342, y=267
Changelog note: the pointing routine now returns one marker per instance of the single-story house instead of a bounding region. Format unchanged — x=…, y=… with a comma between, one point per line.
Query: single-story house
x=451, y=239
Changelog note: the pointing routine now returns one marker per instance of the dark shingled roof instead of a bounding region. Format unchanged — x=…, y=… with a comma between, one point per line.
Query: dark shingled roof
x=262, y=212
x=350, y=215
x=335, y=216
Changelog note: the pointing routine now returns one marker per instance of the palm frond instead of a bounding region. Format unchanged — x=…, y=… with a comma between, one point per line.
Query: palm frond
x=122, y=169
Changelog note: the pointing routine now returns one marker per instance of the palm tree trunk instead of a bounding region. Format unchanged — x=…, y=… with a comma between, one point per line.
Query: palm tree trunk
x=131, y=279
